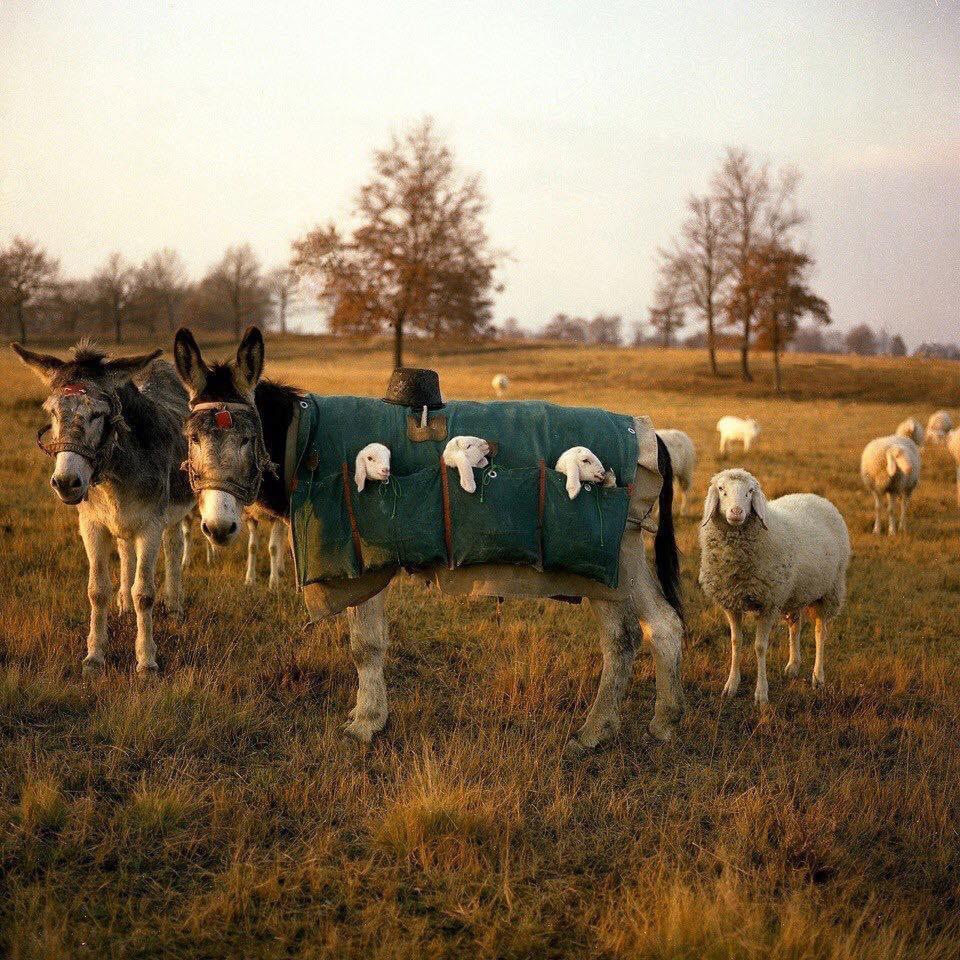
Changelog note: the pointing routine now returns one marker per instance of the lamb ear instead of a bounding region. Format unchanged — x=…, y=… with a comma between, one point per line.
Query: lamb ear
x=360, y=473
x=760, y=507
x=573, y=482
x=43, y=365
x=710, y=504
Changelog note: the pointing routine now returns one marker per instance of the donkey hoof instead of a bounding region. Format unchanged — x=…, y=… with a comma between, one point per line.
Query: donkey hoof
x=661, y=730
x=362, y=730
x=818, y=682
x=791, y=670
x=148, y=669
x=92, y=665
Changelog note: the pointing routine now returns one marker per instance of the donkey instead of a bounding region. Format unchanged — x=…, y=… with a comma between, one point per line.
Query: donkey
x=117, y=451
x=234, y=467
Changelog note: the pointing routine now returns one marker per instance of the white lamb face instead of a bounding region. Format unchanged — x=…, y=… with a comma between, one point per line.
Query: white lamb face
x=373, y=463
x=590, y=468
x=475, y=449
x=733, y=494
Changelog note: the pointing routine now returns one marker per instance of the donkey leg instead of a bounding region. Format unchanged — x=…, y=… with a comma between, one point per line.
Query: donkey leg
x=278, y=553
x=621, y=637
x=663, y=626
x=369, y=638
x=173, y=553
x=128, y=562
x=96, y=541
x=144, y=595
x=252, y=540
x=187, y=528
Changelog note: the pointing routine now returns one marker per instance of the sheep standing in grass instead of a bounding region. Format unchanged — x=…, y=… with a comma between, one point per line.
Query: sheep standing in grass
x=891, y=466
x=773, y=559
x=912, y=428
x=466, y=453
x=938, y=426
x=373, y=463
x=500, y=384
x=737, y=430
x=953, y=445
x=579, y=465
x=683, y=458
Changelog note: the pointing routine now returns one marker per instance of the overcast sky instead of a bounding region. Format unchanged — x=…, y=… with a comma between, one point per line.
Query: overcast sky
x=134, y=125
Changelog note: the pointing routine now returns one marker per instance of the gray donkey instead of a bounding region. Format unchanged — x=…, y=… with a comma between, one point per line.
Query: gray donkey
x=117, y=448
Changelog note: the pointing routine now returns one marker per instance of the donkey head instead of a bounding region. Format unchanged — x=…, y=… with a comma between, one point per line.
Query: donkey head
x=84, y=412
x=226, y=455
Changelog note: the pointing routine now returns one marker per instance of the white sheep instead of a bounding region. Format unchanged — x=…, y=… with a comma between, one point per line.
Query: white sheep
x=891, y=466
x=683, y=458
x=465, y=453
x=938, y=426
x=953, y=445
x=373, y=463
x=580, y=466
x=736, y=429
x=773, y=559
x=500, y=384
x=912, y=428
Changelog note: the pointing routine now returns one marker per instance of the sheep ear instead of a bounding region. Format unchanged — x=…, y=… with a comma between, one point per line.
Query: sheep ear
x=760, y=507
x=360, y=473
x=710, y=504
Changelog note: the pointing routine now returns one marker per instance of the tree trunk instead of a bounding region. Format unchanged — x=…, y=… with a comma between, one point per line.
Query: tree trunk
x=712, y=342
x=398, y=342
x=745, y=352
x=777, y=384
x=21, y=322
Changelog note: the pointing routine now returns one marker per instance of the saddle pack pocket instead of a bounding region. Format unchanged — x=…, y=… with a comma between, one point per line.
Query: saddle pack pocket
x=400, y=521
x=323, y=544
x=497, y=523
x=583, y=535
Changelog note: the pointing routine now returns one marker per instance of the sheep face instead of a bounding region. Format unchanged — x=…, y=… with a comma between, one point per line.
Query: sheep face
x=580, y=466
x=733, y=495
x=473, y=449
x=373, y=463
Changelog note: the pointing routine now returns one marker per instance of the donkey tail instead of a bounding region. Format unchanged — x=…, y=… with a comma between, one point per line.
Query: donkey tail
x=666, y=555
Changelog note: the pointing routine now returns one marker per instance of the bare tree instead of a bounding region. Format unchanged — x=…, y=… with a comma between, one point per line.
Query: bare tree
x=283, y=287
x=28, y=276
x=113, y=291
x=604, y=329
x=74, y=302
x=236, y=286
x=419, y=259
x=667, y=312
x=862, y=341
x=561, y=326
x=159, y=287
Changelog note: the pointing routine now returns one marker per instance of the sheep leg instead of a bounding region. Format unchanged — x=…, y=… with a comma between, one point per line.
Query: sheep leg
x=891, y=516
x=621, y=637
x=794, y=628
x=278, y=546
x=820, y=636
x=252, y=541
x=736, y=649
x=903, y=513
x=682, y=493
x=369, y=638
x=762, y=641
x=876, y=514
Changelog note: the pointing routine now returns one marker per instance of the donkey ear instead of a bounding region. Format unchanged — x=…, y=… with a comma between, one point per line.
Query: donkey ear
x=710, y=504
x=117, y=372
x=249, y=364
x=189, y=362
x=360, y=473
x=43, y=365
x=760, y=506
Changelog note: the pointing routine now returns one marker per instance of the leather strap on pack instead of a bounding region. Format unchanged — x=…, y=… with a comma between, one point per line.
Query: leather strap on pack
x=447, y=520
x=348, y=500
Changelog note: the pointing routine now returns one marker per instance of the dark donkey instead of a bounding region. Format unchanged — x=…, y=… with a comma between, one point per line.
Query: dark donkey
x=237, y=437
x=117, y=450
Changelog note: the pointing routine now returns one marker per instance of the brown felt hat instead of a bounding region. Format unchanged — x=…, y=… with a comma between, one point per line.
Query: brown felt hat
x=415, y=388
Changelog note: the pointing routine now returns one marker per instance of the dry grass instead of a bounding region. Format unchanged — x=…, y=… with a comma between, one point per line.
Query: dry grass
x=216, y=810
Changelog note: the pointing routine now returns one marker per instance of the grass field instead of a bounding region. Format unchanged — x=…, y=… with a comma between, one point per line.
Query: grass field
x=216, y=810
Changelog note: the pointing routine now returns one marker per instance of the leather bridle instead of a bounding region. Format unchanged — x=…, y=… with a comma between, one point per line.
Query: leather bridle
x=98, y=456
x=245, y=491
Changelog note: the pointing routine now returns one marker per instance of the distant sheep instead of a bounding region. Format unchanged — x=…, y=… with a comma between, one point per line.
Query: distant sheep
x=737, y=430
x=938, y=426
x=912, y=428
x=580, y=466
x=953, y=445
x=683, y=458
x=373, y=463
x=500, y=384
x=773, y=559
x=891, y=466
x=466, y=453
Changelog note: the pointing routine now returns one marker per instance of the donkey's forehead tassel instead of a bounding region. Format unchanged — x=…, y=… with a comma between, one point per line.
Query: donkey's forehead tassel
x=223, y=419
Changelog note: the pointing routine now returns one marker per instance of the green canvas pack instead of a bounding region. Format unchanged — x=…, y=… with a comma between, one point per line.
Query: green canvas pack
x=421, y=517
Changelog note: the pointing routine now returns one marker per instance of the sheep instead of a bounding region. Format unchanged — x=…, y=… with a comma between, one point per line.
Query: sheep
x=938, y=426
x=912, y=428
x=465, y=453
x=890, y=465
x=736, y=429
x=500, y=384
x=774, y=559
x=580, y=466
x=683, y=457
x=953, y=445
x=373, y=463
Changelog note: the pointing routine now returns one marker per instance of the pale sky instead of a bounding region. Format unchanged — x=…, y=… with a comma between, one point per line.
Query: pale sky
x=134, y=125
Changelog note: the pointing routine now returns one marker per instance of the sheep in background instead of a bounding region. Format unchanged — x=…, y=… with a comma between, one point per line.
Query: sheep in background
x=465, y=453
x=913, y=429
x=683, y=457
x=373, y=463
x=773, y=559
x=736, y=429
x=938, y=426
x=953, y=445
x=500, y=384
x=891, y=466
x=580, y=466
